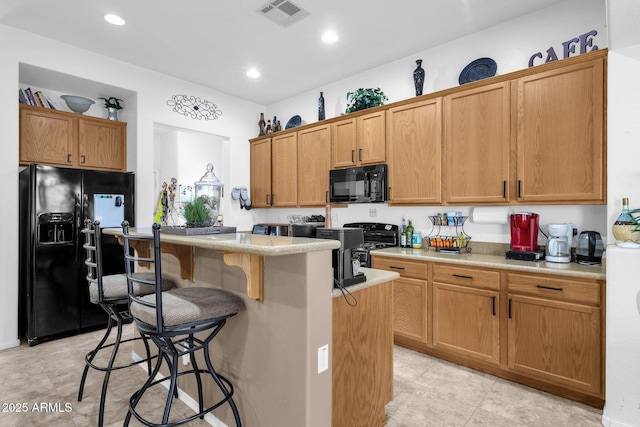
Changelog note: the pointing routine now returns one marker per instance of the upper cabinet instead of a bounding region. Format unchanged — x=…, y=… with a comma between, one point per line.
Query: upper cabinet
x=314, y=154
x=284, y=170
x=414, y=148
x=359, y=141
x=66, y=139
x=560, y=134
x=261, y=173
x=477, y=141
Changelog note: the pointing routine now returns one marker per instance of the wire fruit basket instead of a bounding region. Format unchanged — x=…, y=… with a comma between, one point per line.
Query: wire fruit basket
x=448, y=237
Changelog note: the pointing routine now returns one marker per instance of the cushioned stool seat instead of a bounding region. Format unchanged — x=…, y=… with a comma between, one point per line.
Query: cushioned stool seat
x=114, y=287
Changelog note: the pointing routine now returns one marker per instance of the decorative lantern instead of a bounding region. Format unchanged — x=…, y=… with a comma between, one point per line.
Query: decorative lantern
x=209, y=189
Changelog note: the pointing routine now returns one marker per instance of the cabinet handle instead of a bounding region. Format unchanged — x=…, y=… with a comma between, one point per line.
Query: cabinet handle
x=551, y=288
x=273, y=199
x=84, y=159
x=353, y=156
x=493, y=305
x=360, y=154
x=504, y=189
x=396, y=268
x=267, y=199
x=509, y=308
x=462, y=277
x=68, y=158
x=519, y=184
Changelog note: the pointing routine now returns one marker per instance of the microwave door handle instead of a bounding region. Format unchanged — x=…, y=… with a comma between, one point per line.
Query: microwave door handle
x=367, y=185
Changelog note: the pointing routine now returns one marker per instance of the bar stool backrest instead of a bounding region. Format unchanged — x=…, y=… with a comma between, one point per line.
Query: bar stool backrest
x=93, y=255
x=133, y=257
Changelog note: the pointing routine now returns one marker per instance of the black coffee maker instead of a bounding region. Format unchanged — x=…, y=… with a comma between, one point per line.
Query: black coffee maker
x=345, y=270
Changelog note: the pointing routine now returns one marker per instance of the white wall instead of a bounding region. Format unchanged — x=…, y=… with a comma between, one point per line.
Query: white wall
x=147, y=106
x=510, y=44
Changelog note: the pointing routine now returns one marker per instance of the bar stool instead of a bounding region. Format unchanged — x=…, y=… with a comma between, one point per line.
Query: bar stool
x=111, y=293
x=171, y=319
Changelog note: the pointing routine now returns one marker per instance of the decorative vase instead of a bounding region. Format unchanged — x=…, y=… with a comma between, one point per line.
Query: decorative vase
x=112, y=113
x=321, y=107
x=262, y=125
x=418, y=77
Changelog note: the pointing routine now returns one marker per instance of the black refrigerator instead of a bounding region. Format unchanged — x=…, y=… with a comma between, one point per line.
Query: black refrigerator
x=54, y=202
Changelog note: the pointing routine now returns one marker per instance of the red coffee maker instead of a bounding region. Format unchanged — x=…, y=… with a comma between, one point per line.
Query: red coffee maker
x=524, y=237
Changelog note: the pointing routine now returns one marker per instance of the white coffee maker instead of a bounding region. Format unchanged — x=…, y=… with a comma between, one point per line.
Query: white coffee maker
x=559, y=243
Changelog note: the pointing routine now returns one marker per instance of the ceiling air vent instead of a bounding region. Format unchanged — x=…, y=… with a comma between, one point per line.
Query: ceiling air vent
x=282, y=12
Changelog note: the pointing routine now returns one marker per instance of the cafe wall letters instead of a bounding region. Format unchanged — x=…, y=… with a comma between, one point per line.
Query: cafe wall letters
x=583, y=42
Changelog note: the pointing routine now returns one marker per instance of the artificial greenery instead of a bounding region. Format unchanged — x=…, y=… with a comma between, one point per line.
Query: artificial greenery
x=112, y=102
x=196, y=212
x=362, y=99
x=635, y=219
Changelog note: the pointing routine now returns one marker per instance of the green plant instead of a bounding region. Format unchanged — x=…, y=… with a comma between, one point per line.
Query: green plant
x=196, y=211
x=362, y=99
x=112, y=102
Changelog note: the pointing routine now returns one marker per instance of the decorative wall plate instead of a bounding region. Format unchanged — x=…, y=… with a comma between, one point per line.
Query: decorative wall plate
x=479, y=69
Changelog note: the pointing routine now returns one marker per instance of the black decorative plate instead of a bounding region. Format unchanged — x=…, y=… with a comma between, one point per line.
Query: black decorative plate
x=293, y=122
x=479, y=69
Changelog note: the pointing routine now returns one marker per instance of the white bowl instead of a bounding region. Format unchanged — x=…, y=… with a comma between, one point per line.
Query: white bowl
x=77, y=104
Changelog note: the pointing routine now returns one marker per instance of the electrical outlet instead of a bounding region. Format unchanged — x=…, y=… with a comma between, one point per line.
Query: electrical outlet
x=373, y=212
x=323, y=358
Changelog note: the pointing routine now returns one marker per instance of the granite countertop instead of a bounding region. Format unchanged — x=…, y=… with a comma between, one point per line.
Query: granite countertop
x=572, y=269
x=374, y=277
x=255, y=244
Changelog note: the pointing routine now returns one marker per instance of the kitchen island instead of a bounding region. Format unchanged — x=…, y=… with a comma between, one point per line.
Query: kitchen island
x=271, y=351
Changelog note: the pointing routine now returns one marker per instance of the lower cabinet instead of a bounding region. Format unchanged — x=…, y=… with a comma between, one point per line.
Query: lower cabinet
x=466, y=317
x=541, y=330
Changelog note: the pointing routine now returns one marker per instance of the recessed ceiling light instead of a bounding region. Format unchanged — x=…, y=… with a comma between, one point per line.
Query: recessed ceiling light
x=253, y=73
x=113, y=19
x=330, y=37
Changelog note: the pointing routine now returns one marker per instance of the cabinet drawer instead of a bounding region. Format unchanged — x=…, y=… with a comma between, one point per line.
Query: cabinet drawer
x=558, y=288
x=406, y=268
x=467, y=277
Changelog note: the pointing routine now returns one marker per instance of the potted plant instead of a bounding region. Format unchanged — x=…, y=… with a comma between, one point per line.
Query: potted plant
x=196, y=213
x=365, y=98
x=112, y=105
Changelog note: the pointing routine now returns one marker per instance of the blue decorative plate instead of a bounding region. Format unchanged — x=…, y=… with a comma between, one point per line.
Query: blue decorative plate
x=479, y=69
x=293, y=122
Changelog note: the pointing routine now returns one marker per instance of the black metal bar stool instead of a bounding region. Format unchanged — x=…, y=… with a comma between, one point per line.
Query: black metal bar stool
x=111, y=293
x=172, y=319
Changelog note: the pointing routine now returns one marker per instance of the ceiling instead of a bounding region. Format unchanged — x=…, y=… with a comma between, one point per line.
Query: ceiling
x=215, y=42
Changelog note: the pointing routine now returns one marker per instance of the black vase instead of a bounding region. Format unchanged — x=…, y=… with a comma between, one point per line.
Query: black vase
x=418, y=77
x=321, y=107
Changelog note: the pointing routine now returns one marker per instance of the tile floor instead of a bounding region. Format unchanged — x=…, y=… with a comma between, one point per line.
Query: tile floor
x=43, y=380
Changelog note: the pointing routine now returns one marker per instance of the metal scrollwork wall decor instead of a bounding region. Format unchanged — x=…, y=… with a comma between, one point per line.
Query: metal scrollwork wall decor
x=194, y=107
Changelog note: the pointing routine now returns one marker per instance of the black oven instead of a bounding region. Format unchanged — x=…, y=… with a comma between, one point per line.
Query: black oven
x=365, y=184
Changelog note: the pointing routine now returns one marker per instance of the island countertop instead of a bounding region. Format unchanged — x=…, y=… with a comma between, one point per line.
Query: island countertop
x=254, y=244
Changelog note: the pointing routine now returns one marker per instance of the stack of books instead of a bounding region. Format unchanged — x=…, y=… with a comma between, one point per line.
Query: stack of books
x=26, y=96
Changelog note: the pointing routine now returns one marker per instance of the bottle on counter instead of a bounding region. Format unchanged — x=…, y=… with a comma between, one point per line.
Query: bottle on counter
x=417, y=240
x=269, y=130
x=625, y=217
x=273, y=127
x=403, y=233
x=409, y=232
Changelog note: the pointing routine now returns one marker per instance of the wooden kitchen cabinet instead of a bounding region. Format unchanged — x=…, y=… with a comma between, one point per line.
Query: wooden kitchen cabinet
x=284, y=170
x=414, y=153
x=560, y=134
x=410, y=311
x=314, y=157
x=67, y=139
x=359, y=141
x=261, y=173
x=466, y=312
x=555, y=331
x=477, y=145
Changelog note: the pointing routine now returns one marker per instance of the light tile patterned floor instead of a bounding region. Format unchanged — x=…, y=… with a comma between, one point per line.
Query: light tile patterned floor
x=42, y=382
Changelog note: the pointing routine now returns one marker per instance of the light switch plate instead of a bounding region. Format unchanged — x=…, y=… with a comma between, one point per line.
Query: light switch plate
x=323, y=358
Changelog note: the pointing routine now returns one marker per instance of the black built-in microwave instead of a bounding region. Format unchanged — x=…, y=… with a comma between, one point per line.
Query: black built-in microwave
x=364, y=184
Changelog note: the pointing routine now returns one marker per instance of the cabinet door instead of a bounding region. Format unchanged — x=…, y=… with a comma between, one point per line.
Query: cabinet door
x=343, y=143
x=284, y=170
x=371, y=138
x=560, y=136
x=47, y=137
x=556, y=341
x=102, y=144
x=477, y=140
x=414, y=147
x=466, y=321
x=261, y=173
x=410, y=309
x=314, y=154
